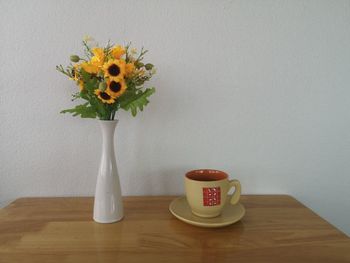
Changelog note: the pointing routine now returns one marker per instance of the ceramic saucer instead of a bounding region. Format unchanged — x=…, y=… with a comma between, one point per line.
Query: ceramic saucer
x=230, y=214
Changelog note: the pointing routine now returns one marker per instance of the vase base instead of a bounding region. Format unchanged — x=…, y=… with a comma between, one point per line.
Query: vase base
x=101, y=221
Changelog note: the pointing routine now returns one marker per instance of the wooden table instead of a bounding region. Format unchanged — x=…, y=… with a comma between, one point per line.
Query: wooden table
x=276, y=228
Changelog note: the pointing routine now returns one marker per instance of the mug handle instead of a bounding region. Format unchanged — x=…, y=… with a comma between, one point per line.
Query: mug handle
x=237, y=194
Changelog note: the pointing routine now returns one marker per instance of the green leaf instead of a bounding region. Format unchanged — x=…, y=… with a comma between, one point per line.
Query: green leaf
x=83, y=94
x=84, y=110
x=99, y=108
x=135, y=100
x=85, y=75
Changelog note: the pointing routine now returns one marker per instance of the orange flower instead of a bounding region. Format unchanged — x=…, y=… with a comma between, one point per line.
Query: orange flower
x=89, y=68
x=129, y=68
x=117, y=52
x=98, y=58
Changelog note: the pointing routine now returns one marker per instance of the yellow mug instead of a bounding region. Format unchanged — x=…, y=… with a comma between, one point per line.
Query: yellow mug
x=207, y=190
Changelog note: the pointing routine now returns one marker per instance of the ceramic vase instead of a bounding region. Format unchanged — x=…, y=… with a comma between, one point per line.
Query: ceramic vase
x=108, y=205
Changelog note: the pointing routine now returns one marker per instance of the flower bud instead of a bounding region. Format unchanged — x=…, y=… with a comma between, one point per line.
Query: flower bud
x=148, y=66
x=139, y=64
x=74, y=58
x=102, y=86
x=87, y=38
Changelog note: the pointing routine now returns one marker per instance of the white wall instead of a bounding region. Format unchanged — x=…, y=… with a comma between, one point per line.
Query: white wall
x=259, y=89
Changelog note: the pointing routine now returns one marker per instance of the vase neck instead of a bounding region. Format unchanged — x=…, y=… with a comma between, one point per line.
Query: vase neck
x=108, y=130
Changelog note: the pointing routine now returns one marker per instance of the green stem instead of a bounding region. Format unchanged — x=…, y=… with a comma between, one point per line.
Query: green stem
x=88, y=48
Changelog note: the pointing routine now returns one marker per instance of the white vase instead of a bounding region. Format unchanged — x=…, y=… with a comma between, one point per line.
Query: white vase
x=108, y=205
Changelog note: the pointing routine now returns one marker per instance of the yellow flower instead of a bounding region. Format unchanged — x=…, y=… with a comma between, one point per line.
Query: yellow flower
x=98, y=58
x=75, y=72
x=98, y=52
x=89, y=68
x=104, y=96
x=114, y=68
x=81, y=85
x=95, y=61
x=117, y=52
x=129, y=68
x=116, y=87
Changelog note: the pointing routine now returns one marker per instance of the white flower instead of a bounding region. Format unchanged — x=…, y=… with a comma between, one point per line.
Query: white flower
x=88, y=38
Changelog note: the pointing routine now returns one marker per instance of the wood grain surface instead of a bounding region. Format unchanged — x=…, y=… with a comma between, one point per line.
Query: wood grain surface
x=276, y=228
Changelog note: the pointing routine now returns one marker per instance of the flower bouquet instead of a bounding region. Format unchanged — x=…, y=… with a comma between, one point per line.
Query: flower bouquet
x=109, y=78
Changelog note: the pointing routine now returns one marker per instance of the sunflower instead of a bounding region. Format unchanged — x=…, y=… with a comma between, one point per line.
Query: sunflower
x=117, y=52
x=114, y=68
x=89, y=68
x=104, y=96
x=116, y=87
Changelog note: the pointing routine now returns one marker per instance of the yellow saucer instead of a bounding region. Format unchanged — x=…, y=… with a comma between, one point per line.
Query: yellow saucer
x=230, y=214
